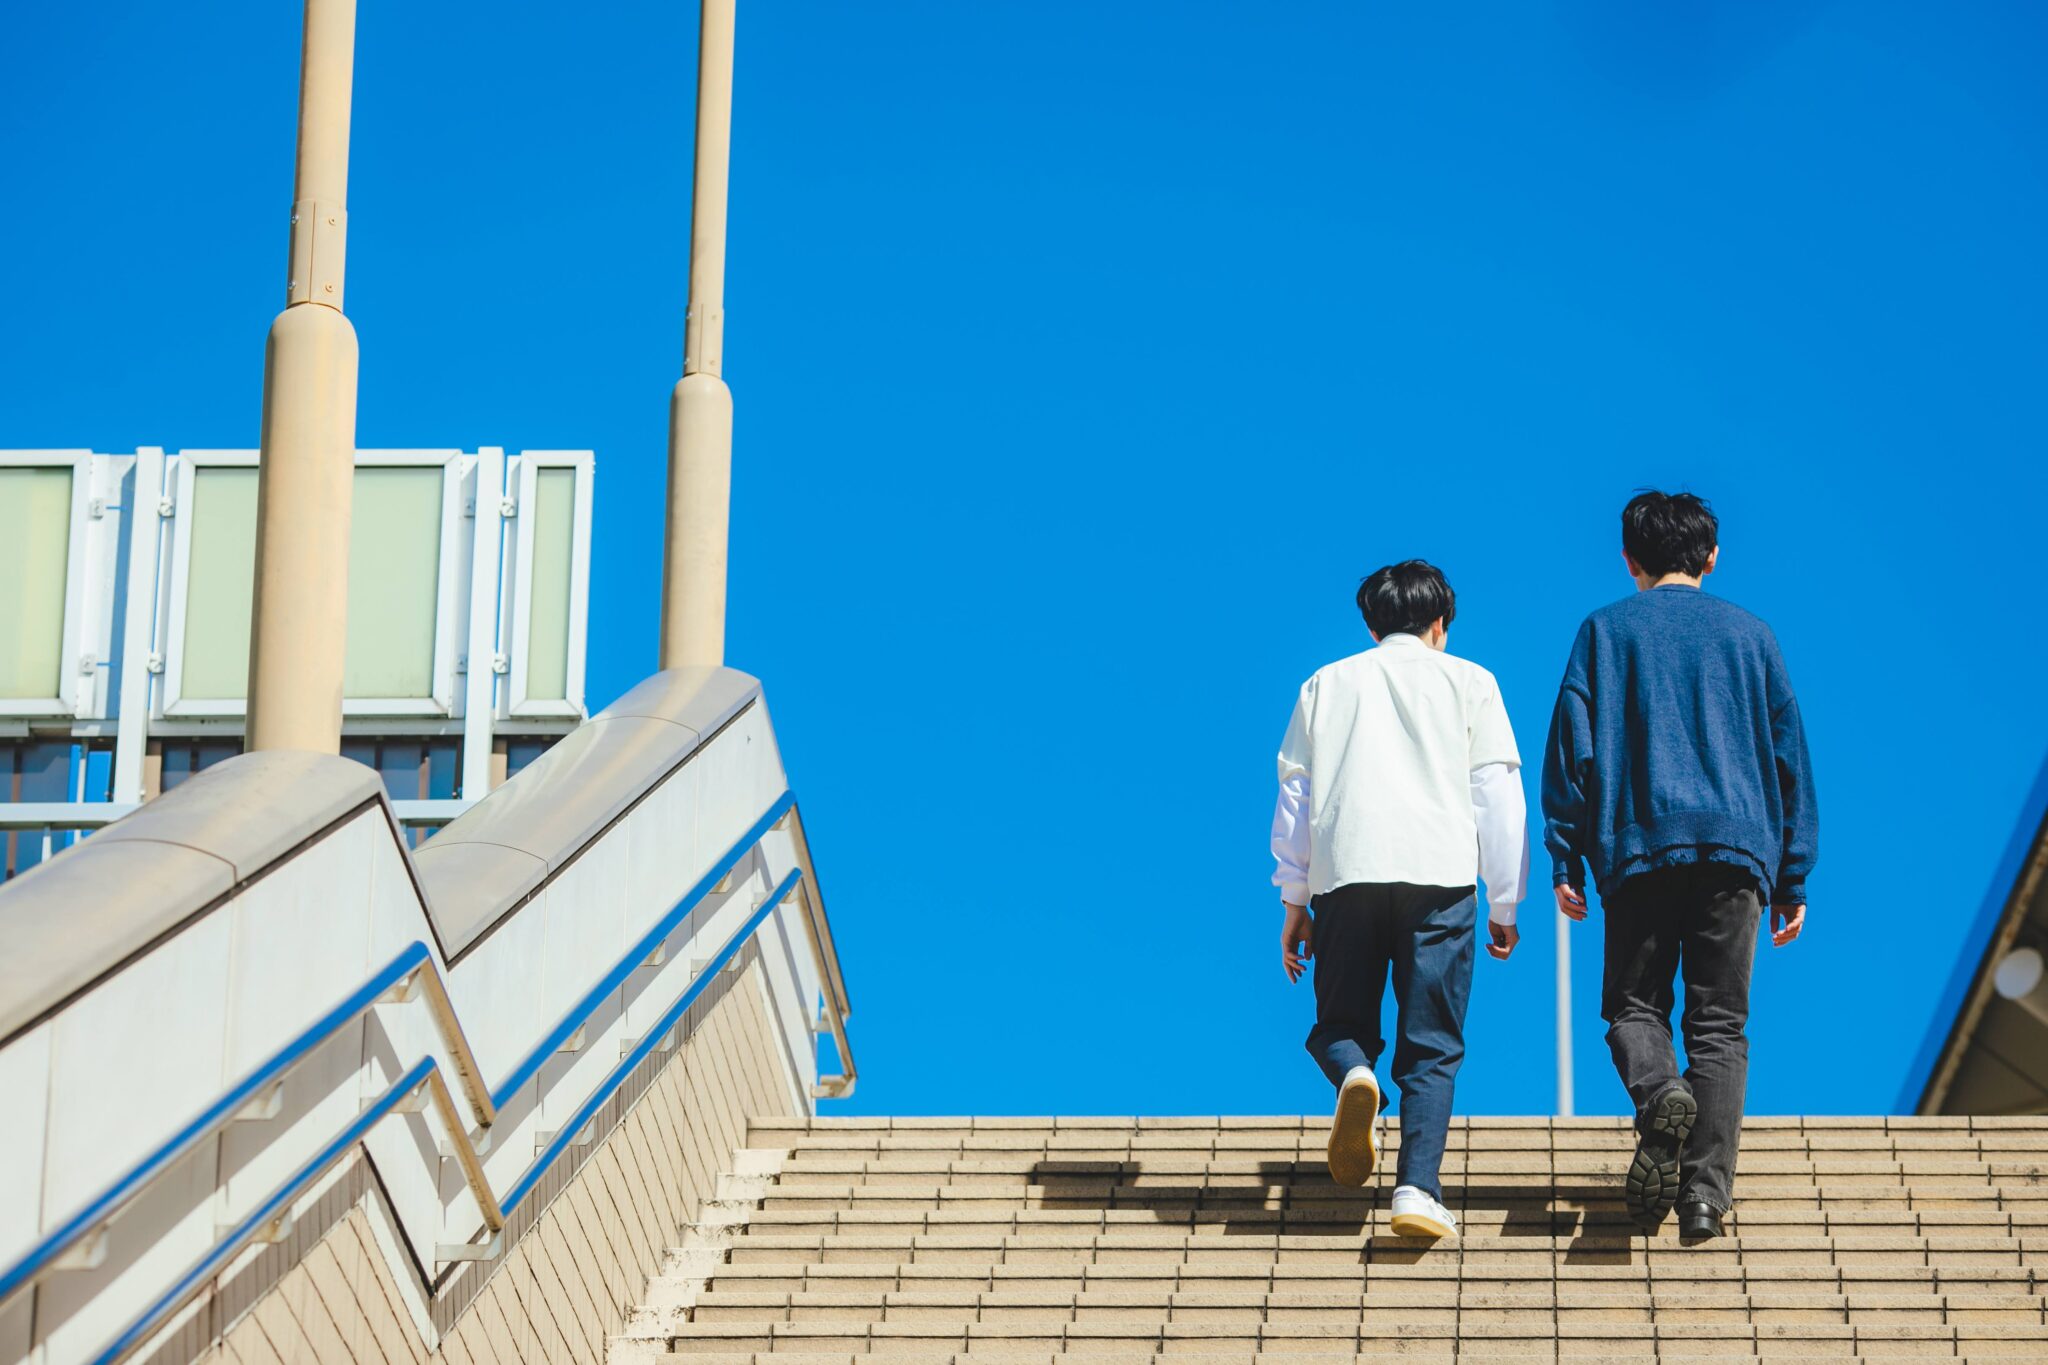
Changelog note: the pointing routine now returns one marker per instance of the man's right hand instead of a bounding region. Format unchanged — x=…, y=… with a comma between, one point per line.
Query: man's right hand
x=1296, y=941
x=1571, y=902
x=1504, y=936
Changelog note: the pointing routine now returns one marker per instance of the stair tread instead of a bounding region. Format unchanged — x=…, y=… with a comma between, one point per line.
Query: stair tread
x=1013, y=1240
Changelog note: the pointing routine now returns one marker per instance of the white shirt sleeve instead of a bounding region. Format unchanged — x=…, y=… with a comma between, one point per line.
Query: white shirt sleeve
x=1503, y=836
x=1290, y=813
x=1290, y=840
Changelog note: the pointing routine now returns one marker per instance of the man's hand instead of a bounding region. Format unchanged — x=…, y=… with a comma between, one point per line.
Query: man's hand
x=1505, y=937
x=1786, y=922
x=1295, y=945
x=1571, y=901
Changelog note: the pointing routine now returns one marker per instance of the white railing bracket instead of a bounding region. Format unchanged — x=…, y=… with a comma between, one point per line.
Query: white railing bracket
x=87, y=1253
x=266, y=1103
x=270, y=1234
x=405, y=992
x=479, y=1145
x=545, y=1138
x=449, y=1253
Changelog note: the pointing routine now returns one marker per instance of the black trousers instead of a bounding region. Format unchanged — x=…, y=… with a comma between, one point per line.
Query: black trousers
x=1697, y=921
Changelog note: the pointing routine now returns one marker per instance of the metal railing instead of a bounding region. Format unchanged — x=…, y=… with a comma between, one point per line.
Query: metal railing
x=80, y=1241
x=66, y=817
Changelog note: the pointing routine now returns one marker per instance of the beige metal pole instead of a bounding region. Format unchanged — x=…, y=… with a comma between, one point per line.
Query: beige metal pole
x=700, y=409
x=304, y=487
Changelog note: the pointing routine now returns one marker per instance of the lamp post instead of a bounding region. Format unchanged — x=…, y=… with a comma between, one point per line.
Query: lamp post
x=1564, y=1016
x=700, y=409
x=299, y=621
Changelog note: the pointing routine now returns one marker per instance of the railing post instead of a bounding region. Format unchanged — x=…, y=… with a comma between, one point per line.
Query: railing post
x=700, y=409
x=299, y=625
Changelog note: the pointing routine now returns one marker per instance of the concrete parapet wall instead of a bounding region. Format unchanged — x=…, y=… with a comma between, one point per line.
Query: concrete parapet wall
x=580, y=1263
x=245, y=1025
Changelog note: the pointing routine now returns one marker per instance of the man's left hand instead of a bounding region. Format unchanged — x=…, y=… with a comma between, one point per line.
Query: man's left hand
x=1786, y=922
x=1297, y=940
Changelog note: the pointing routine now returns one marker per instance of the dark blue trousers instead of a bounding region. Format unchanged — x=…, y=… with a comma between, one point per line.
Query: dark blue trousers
x=1423, y=936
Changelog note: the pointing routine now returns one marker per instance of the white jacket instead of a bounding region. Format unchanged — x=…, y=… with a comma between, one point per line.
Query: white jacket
x=1400, y=766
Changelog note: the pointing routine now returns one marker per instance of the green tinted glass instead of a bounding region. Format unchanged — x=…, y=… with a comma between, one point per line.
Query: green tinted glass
x=394, y=566
x=219, y=583
x=35, y=547
x=547, y=622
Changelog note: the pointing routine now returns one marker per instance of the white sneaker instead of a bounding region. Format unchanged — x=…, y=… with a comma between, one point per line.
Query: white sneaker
x=1417, y=1215
x=1354, y=1132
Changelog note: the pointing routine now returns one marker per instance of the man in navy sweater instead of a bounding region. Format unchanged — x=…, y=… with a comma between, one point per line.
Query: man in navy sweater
x=1677, y=767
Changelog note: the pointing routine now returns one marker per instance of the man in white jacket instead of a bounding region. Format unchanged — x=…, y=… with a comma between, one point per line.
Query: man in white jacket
x=1400, y=789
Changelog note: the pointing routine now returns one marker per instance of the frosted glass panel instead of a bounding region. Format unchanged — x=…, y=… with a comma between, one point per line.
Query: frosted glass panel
x=394, y=566
x=219, y=583
x=35, y=545
x=547, y=622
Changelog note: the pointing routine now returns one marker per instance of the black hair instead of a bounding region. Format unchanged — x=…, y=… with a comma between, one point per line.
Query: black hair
x=1405, y=598
x=1668, y=533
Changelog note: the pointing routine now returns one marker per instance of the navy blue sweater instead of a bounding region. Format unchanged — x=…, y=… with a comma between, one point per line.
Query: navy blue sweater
x=1677, y=739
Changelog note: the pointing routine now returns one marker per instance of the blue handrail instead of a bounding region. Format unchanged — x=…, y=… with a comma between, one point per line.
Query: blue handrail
x=566, y=1134
x=423, y=1073
x=209, y=1121
x=416, y=964
x=635, y=956
x=209, y=1265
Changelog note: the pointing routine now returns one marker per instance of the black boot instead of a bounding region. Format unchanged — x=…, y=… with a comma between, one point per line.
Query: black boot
x=1698, y=1222
x=1652, y=1182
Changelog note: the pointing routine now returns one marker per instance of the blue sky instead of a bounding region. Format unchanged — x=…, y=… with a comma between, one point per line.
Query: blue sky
x=1086, y=355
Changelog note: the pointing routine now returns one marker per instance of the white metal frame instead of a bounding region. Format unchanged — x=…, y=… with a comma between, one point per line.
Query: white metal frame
x=171, y=699
x=175, y=704
x=519, y=587
x=143, y=528
x=486, y=481
x=80, y=464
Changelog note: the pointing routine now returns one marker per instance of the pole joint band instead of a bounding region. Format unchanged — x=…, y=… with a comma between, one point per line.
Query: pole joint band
x=704, y=340
x=319, y=253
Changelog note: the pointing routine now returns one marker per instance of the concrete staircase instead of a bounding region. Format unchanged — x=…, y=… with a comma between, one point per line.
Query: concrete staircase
x=1204, y=1241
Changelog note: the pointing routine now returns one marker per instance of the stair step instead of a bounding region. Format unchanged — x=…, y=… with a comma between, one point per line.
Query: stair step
x=1152, y=1187
x=1445, y=1302
x=1172, y=1245
x=1331, y=1218
x=1704, y=1353
x=1473, y=1123
x=1125, y=1341
x=1007, y=1241
x=881, y=1277
x=1536, y=1169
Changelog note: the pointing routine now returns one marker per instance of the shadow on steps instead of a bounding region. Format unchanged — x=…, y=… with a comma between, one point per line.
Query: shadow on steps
x=1298, y=1198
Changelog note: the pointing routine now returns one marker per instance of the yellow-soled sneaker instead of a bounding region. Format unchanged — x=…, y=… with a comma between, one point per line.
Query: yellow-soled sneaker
x=1418, y=1215
x=1354, y=1132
